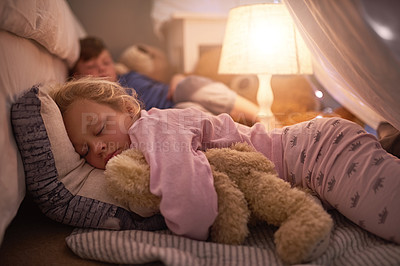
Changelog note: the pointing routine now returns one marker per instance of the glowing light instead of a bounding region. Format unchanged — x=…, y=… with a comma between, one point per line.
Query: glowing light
x=383, y=31
x=319, y=94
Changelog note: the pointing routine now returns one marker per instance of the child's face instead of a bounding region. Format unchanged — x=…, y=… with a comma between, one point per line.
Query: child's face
x=97, y=131
x=101, y=66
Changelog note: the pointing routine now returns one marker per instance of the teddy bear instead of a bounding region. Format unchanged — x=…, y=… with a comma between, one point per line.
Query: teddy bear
x=247, y=186
x=147, y=60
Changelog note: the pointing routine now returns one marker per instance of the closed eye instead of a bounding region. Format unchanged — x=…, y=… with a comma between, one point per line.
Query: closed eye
x=101, y=130
x=107, y=63
x=91, y=66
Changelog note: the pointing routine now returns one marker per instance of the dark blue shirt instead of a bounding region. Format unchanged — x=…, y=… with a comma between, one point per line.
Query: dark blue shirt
x=152, y=93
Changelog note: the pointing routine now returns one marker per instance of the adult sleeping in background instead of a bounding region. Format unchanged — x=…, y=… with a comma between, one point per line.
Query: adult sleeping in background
x=215, y=97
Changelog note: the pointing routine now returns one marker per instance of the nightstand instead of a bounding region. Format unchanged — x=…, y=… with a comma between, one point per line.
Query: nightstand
x=188, y=34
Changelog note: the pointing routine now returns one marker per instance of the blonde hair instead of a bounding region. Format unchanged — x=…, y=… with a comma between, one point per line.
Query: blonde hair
x=98, y=90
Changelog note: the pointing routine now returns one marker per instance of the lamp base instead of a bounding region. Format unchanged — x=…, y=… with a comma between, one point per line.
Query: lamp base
x=268, y=121
x=265, y=98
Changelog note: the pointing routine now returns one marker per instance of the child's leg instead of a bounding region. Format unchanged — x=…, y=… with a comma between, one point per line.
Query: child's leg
x=348, y=170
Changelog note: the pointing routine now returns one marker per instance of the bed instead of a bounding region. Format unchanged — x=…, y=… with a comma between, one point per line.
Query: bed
x=67, y=215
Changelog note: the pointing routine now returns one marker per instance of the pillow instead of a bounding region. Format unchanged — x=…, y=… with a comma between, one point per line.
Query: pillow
x=23, y=63
x=65, y=188
x=49, y=22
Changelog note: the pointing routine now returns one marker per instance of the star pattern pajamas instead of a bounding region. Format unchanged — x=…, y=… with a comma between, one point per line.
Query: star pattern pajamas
x=348, y=170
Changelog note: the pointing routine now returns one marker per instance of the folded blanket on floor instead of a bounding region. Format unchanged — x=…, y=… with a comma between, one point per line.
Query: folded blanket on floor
x=349, y=245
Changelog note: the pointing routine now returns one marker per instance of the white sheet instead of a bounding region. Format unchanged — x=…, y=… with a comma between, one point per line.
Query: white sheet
x=350, y=59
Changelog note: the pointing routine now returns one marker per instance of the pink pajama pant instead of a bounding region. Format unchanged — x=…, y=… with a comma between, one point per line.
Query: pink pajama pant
x=348, y=170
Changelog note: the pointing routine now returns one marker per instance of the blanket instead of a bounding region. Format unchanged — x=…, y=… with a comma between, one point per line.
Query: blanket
x=349, y=245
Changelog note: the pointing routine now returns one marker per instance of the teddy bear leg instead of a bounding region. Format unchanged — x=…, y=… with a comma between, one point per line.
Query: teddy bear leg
x=305, y=235
x=304, y=226
x=230, y=226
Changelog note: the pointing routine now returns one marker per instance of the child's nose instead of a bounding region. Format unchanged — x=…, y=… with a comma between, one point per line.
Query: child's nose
x=102, y=68
x=99, y=147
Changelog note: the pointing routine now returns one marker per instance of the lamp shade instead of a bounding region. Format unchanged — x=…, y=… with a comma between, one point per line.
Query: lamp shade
x=262, y=38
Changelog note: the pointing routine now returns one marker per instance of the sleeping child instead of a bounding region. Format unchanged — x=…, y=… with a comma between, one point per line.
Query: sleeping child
x=335, y=158
x=95, y=60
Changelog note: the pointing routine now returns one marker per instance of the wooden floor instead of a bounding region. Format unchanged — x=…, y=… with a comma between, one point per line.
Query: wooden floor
x=33, y=239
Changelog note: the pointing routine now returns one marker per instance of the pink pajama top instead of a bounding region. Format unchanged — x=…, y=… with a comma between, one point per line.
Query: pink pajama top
x=173, y=141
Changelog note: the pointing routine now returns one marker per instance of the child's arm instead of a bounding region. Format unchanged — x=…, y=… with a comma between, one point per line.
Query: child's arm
x=179, y=172
x=172, y=85
x=152, y=93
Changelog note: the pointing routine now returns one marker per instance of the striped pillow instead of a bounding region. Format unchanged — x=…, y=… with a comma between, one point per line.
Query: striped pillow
x=66, y=189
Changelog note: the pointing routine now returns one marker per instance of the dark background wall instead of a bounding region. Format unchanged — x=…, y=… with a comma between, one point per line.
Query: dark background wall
x=120, y=23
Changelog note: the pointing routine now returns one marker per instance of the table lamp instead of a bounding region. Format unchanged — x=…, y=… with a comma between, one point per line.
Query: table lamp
x=262, y=39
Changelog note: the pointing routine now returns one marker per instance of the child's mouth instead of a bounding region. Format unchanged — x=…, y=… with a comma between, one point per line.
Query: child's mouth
x=112, y=155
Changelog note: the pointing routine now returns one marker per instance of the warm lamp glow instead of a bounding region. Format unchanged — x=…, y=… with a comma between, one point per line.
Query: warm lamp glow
x=262, y=39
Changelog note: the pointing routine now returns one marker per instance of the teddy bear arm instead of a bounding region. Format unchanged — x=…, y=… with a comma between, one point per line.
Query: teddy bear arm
x=230, y=226
x=267, y=196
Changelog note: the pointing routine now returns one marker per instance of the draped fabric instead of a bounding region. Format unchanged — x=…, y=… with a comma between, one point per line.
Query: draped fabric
x=355, y=46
